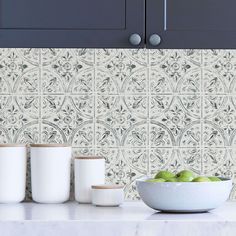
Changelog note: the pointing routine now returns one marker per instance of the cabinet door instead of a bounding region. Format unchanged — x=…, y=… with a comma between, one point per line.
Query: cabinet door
x=191, y=23
x=71, y=23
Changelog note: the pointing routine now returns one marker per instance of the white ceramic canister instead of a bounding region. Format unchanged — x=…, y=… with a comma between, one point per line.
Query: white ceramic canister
x=50, y=172
x=107, y=195
x=13, y=161
x=88, y=171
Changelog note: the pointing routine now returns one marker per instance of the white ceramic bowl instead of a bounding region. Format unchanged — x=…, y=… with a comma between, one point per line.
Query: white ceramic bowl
x=184, y=196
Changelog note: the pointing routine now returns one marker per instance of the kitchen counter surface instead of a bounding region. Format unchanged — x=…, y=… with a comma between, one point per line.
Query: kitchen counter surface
x=132, y=218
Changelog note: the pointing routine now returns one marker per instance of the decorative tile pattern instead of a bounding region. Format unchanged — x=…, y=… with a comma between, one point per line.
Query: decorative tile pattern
x=143, y=110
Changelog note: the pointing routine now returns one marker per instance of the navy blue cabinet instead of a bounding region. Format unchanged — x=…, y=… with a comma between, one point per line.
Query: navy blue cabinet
x=191, y=23
x=118, y=23
x=72, y=23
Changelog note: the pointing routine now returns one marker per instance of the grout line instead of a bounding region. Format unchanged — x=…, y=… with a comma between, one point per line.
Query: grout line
x=202, y=112
x=125, y=94
x=40, y=95
x=148, y=115
x=94, y=101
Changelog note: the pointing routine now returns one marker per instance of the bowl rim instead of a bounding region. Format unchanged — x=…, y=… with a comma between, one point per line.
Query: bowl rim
x=143, y=180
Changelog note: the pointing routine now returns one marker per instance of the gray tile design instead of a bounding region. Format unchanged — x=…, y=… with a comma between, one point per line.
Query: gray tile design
x=143, y=110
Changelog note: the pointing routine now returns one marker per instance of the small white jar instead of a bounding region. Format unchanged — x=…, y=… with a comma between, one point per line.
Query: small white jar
x=13, y=160
x=88, y=171
x=50, y=172
x=107, y=195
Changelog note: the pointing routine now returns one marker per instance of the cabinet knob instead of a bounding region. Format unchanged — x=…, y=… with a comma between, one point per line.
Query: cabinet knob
x=155, y=39
x=135, y=39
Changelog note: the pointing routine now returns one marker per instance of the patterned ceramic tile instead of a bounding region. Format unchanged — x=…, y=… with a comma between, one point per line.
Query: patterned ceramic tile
x=16, y=114
x=160, y=158
x=191, y=159
x=218, y=162
x=123, y=167
x=143, y=110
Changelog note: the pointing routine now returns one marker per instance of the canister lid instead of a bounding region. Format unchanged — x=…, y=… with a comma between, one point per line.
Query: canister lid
x=50, y=145
x=106, y=186
x=12, y=145
x=88, y=157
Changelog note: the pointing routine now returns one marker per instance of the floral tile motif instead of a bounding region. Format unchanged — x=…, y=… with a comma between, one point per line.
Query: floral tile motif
x=121, y=113
x=157, y=56
x=15, y=70
x=136, y=136
x=105, y=55
x=214, y=83
x=160, y=136
x=30, y=133
x=119, y=171
x=190, y=83
x=176, y=65
x=159, y=105
x=143, y=110
x=213, y=136
x=31, y=55
x=138, y=55
x=224, y=115
x=191, y=136
x=136, y=83
x=51, y=133
x=16, y=114
x=106, y=83
x=213, y=104
x=136, y=158
x=218, y=162
x=159, y=82
x=225, y=66
x=122, y=67
x=191, y=159
x=160, y=158
x=82, y=152
x=105, y=136
x=83, y=135
x=176, y=117
x=66, y=114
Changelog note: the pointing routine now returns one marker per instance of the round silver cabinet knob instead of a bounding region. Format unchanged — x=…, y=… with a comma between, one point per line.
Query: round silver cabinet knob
x=135, y=39
x=155, y=39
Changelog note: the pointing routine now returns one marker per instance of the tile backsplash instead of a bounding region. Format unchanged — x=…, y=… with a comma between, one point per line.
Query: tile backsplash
x=144, y=110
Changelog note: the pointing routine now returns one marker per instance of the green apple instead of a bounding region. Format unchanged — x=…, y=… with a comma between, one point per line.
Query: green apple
x=201, y=179
x=172, y=180
x=164, y=175
x=214, y=178
x=186, y=174
x=158, y=180
x=184, y=178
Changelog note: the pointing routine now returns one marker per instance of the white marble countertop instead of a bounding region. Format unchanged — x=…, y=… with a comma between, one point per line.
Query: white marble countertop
x=132, y=218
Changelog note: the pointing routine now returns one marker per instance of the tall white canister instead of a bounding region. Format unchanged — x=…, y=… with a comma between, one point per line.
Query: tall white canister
x=13, y=160
x=50, y=172
x=88, y=171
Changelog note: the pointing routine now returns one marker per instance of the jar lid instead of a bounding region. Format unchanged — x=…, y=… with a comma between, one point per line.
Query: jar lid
x=12, y=145
x=88, y=157
x=105, y=186
x=50, y=145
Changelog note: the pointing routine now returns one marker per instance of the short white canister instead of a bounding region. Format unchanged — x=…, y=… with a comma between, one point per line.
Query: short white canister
x=88, y=171
x=50, y=172
x=13, y=161
x=107, y=195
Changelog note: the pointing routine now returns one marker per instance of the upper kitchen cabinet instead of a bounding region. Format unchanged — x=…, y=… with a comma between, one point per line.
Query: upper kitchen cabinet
x=191, y=24
x=72, y=23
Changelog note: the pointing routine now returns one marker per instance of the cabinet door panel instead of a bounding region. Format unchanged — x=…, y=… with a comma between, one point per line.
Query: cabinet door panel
x=62, y=14
x=192, y=24
x=71, y=23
